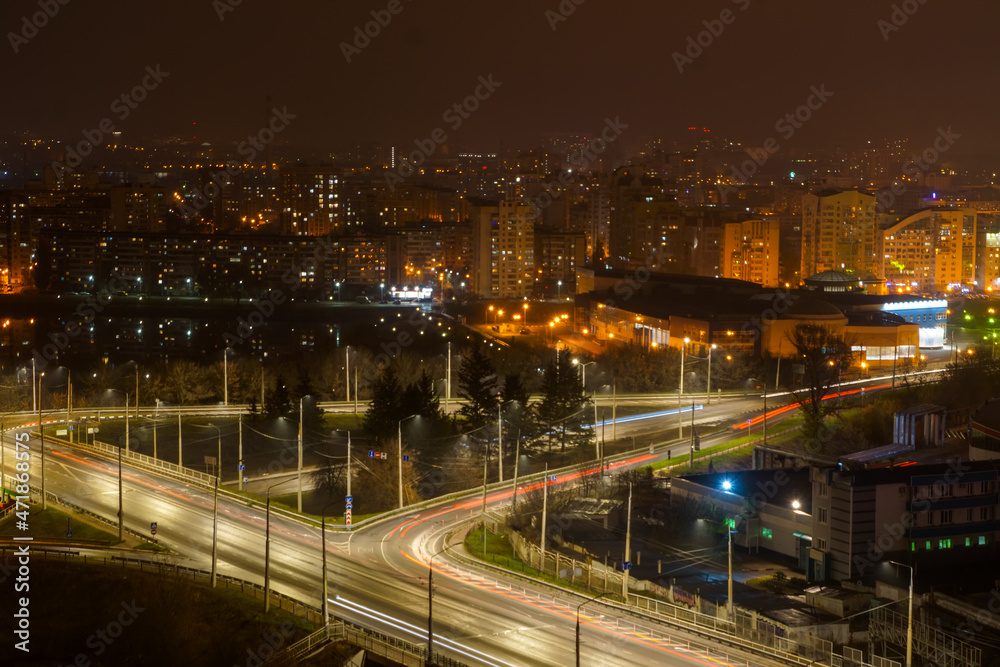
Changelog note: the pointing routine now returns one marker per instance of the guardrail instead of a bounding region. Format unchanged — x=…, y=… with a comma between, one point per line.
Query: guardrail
x=384, y=645
x=658, y=611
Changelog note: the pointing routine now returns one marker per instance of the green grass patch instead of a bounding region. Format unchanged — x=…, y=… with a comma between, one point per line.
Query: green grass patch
x=49, y=523
x=345, y=421
x=150, y=546
x=499, y=551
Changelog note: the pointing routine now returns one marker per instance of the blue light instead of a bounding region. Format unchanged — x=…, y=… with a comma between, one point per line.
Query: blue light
x=727, y=485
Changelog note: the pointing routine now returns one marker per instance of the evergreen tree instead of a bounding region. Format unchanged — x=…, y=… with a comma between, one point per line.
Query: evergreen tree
x=385, y=409
x=277, y=403
x=518, y=414
x=477, y=384
x=420, y=398
x=562, y=409
x=312, y=414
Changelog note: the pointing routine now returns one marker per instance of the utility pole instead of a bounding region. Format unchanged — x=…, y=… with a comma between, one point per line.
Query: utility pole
x=626, y=566
x=614, y=412
x=69, y=405
x=300, y=456
x=347, y=372
x=486, y=460
x=777, y=374
x=180, y=441
x=764, y=422
x=517, y=463
x=545, y=511
x=41, y=436
x=355, y=390
x=500, y=439
x=225, y=377
x=729, y=591
x=597, y=444
x=126, y=423
x=447, y=384
x=121, y=511
x=239, y=453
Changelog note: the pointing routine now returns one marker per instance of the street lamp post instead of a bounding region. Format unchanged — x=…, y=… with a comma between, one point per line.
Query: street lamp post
x=578, y=607
x=708, y=378
x=41, y=437
x=583, y=369
x=400, y=457
x=430, y=604
x=326, y=605
x=909, y=623
x=225, y=377
x=267, y=547
x=680, y=390
x=215, y=509
x=559, y=298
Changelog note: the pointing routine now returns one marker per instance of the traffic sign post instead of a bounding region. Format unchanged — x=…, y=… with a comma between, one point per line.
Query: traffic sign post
x=626, y=565
x=152, y=528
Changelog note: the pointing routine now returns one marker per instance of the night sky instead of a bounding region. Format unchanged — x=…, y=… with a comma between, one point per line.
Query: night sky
x=606, y=59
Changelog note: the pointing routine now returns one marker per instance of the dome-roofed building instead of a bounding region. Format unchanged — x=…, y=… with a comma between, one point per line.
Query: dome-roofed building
x=832, y=281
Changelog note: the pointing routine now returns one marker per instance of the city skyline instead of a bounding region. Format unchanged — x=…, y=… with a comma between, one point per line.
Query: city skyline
x=646, y=66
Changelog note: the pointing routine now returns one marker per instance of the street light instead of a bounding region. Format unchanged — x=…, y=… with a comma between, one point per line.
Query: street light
x=578, y=607
x=430, y=603
x=225, y=376
x=326, y=606
x=267, y=547
x=583, y=367
x=215, y=510
x=909, y=623
x=400, y=461
x=708, y=378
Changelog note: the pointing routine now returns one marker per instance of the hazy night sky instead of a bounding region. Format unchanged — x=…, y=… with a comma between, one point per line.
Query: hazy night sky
x=607, y=59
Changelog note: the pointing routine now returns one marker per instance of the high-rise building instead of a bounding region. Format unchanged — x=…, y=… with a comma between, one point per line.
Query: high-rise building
x=933, y=250
x=840, y=232
x=750, y=251
x=310, y=201
x=138, y=208
x=503, y=249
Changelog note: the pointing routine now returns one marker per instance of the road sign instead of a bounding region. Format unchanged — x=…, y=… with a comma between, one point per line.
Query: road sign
x=60, y=431
x=350, y=506
x=371, y=454
x=69, y=533
x=347, y=519
x=152, y=528
x=241, y=467
x=651, y=449
x=406, y=458
x=349, y=499
x=246, y=479
x=627, y=565
x=552, y=478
